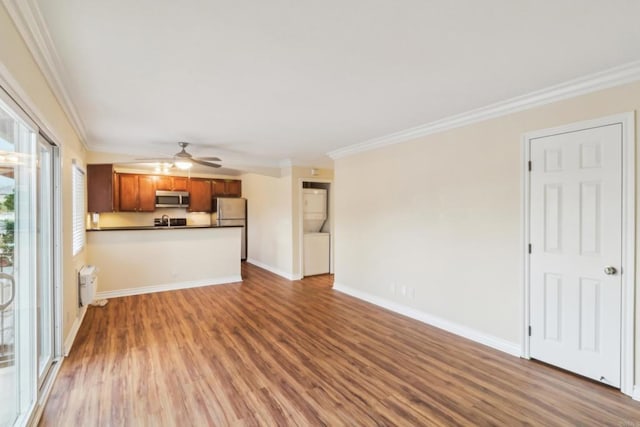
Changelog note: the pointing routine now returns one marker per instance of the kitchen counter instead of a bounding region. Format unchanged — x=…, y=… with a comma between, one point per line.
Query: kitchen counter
x=130, y=260
x=151, y=227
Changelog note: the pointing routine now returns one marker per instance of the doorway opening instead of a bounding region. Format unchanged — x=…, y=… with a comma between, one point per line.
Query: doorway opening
x=316, y=226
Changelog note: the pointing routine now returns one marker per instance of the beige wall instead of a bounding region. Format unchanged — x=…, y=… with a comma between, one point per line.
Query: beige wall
x=269, y=221
x=274, y=218
x=19, y=67
x=443, y=217
x=140, y=261
x=145, y=219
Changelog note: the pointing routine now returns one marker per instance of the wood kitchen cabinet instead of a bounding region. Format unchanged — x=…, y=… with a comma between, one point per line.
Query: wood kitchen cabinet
x=110, y=191
x=100, y=188
x=199, y=195
x=180, y=183
x=146, y=193
x=172, y=183
x=137, y=193
x=227, y=188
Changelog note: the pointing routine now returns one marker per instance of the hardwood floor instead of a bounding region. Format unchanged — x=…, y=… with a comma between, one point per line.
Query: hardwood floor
x=274, y=352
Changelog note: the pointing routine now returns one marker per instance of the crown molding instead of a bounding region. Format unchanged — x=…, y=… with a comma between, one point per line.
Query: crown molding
x=11, y=87
x=31, y=26
x=602, y=80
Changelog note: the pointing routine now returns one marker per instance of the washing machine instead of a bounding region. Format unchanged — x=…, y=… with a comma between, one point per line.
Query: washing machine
x=316, y=253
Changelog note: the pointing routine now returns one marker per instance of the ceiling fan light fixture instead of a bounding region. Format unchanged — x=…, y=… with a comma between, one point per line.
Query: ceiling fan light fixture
x=183, y=164
x=182, y=160
x=163, y=167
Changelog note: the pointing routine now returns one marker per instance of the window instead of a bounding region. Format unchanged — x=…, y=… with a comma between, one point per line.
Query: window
x=78, y=184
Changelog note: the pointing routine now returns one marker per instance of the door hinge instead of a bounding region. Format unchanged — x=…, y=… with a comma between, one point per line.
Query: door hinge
x=530, y=166
x=529, y=247
x=529, y=330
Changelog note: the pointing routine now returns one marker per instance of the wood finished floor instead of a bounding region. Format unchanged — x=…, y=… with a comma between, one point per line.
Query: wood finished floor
x=273, y=352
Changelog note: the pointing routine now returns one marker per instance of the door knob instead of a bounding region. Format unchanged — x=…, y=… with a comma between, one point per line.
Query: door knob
x=610, y=270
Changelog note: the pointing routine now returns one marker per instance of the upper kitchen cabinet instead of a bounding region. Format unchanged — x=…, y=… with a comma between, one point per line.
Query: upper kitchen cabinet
x=199, y=195
x=137, y=193
x=180, y=183
x=172, y=183
x=227, y=188
x=100, y=189
x=146, y=193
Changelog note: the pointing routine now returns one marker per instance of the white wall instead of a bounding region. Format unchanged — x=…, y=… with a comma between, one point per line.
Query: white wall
x=18, y=67
x=441, y=215
x=269, y=222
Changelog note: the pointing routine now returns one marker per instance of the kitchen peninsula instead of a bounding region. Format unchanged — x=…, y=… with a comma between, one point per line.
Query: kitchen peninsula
x=138, y=260
x=140, y=246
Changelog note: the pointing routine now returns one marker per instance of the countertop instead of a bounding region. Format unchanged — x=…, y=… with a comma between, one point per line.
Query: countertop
x=151, y=227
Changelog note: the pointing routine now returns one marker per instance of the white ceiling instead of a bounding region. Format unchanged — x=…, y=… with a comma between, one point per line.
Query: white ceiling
x=266, y=81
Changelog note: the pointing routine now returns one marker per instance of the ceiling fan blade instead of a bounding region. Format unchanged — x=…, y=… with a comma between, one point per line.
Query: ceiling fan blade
x=215, y=159
x=203, y=163
x=156, y=159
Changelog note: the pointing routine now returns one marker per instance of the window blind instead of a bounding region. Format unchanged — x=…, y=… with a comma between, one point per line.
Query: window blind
x=78, y=184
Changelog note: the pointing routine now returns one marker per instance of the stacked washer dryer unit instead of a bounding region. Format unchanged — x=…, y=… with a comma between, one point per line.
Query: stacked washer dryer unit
x=316, y=243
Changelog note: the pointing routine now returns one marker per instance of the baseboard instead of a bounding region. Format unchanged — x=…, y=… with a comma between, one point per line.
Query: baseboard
x=274, y=270
x=463, y=331
x=636, y=393
x=166, y=287
x=68, y=342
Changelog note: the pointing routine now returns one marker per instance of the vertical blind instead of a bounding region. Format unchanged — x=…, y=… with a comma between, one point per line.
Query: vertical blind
x=78, y=184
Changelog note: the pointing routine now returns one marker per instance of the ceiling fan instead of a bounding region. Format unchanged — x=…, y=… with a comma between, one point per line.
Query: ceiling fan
x=184, y=160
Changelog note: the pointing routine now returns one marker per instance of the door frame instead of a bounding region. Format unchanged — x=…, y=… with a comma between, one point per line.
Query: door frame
x=12, y=94
x=300, y=224
x=627, y=342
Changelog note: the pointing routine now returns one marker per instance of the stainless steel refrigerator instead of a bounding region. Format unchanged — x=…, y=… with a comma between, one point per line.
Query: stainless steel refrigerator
x=233, y=211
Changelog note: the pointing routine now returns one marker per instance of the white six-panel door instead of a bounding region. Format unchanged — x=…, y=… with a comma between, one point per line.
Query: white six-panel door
x=575, y=261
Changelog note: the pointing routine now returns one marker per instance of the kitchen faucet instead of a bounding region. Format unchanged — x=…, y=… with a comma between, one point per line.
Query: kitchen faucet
x=162, y=218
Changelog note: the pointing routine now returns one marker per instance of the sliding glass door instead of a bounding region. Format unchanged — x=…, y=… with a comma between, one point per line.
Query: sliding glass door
x=44, y=236
x=17, y=252
x=26, y=263
x=8, y=373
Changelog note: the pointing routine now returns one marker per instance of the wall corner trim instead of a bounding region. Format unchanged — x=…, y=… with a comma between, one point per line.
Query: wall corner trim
x=616, y=76
x=281, y=273
x=31, y=26
x=438, y=322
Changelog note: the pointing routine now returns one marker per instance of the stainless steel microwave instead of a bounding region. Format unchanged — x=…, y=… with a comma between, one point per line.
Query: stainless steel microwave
x=172, y=199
